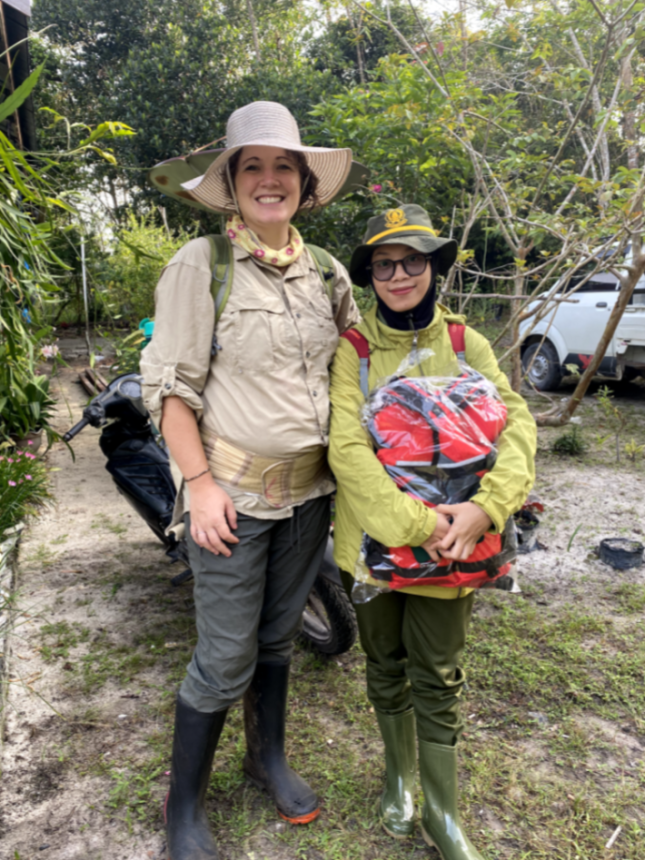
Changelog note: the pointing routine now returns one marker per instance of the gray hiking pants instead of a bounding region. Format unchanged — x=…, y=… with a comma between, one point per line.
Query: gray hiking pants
x=249, y=606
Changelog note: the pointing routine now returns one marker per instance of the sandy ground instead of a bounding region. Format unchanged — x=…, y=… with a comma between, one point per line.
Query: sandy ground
x=68, y=564
x=91, y=564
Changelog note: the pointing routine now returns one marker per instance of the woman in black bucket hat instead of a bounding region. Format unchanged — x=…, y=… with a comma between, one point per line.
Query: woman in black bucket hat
x=414, y=637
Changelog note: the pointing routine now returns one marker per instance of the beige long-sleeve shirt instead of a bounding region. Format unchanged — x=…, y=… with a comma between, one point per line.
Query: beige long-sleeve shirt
x=266, y=389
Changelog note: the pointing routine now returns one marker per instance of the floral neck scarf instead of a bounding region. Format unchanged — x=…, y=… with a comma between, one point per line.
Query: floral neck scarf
x=238, y=232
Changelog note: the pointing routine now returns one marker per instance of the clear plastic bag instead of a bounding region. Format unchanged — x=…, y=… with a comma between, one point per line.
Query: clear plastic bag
x=436, y=437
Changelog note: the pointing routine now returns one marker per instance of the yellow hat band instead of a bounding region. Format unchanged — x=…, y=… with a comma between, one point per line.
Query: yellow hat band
x=407, y=229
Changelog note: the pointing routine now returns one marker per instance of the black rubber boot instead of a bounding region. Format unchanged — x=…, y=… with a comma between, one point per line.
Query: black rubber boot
x=194, y=743
x=265, y=706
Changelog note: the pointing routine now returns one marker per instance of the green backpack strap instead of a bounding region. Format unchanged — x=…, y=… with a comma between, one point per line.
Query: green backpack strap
x=325, y=266
x=222, y=271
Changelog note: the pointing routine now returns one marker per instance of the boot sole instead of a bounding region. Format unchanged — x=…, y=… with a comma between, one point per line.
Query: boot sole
x=301, y=819
x=429, y=841
x=307, y=818
x=400, y=836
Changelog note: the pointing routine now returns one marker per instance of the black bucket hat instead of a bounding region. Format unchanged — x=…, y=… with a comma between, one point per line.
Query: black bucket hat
x=408, y=225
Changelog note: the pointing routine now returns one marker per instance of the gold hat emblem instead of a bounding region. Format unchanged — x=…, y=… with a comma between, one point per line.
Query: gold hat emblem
x=395, y=218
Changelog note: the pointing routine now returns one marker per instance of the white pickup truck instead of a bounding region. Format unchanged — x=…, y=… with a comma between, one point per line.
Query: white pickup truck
x=573, y=330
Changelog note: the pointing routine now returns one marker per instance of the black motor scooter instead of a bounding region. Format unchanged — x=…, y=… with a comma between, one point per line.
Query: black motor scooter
x=137, y=460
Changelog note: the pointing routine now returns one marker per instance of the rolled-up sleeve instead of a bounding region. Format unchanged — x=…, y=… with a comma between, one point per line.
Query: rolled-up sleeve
x=177, y=360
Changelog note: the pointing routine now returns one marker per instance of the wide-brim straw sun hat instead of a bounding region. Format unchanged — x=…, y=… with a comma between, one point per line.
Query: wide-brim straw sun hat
x=408, y=225
x=169, y=176
x=268, y=124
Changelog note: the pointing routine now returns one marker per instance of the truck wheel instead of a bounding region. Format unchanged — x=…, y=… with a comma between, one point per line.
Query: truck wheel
x=329, y=622
x=546, y=372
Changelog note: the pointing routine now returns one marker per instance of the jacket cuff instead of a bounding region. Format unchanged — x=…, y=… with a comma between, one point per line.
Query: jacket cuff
x=497, y=514
x=428, y=527
x=170, y=386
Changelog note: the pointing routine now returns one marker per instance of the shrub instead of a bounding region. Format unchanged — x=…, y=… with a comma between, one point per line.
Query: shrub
x=570, y=444
x=23, y=486
x=130, y=275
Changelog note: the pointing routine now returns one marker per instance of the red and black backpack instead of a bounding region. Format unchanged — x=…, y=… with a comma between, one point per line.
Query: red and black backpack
x=436, y=446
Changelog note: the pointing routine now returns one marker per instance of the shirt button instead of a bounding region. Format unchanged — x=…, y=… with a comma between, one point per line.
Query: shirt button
x=167, y=386
x=297, y=316
x=315, y=394
x=307, y=354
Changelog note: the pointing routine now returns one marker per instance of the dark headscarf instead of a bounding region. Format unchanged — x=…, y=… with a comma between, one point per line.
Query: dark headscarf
x=417, y=317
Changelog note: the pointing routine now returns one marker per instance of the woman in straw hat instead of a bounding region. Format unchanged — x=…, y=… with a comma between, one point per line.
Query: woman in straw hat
x=414, y=637
x=242, y=401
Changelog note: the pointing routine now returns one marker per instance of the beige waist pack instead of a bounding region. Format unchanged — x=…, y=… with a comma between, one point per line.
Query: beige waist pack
x=279, y=482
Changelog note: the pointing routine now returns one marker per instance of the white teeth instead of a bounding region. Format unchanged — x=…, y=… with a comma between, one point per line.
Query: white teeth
x=269, y=199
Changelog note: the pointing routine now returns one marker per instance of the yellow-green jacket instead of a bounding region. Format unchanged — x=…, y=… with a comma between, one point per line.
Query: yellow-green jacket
x=367, y=499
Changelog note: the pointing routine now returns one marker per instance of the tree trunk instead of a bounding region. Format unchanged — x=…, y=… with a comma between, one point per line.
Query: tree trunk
x=464, y=34
x=356, y=22
x=254, y=28
x=516, y=356
x=518, y=290
x=629, y=117
x=562, y=416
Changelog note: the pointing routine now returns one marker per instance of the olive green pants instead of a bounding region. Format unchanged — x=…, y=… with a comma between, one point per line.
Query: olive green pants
x=248, y=606
x=414, y=646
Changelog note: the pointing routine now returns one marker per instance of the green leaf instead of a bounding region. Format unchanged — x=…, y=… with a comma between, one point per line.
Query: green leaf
x=139, y=252
x=108, y=129
x=11, y=104
x=106, y=155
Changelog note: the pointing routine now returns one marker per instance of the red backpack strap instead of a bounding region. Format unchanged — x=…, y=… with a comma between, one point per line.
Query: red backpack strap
x=362, y=347
x=457, y=335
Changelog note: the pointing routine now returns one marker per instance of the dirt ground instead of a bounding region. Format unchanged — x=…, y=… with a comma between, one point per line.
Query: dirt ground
x=102, y=638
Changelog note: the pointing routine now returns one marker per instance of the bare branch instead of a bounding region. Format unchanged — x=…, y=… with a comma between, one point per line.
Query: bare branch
x=406, y=44
x=599, y=68
x=622, y=17
x=431, y=46
x=599, y=138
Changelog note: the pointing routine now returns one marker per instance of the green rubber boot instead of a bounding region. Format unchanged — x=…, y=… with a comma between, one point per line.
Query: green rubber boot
x=440, y=822
x=396, y=808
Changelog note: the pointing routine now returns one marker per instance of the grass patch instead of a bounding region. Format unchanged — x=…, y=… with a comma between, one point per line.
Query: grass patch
x=630, y=597
x=542, y=774
x=523, y=658
x=60, y=637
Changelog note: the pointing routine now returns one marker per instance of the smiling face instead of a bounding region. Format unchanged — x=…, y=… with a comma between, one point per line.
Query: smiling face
x=402, y=292
x=267, y=186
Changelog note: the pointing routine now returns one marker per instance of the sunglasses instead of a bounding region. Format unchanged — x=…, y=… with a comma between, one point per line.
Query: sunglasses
x=413, y=265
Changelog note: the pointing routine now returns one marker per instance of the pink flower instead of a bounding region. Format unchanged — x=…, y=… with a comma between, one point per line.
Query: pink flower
x=274, y=260
x=241, y=227
x=296, y=241
x=12, y=483
x=20, y=481
x=30, y=456
x=440, y=48
x=289, y=252
x=27, y=477
x=49, y=351
x=30, y=441
x=377, y=188
x=9, y=459
x=231, y=234
x=259, y=252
